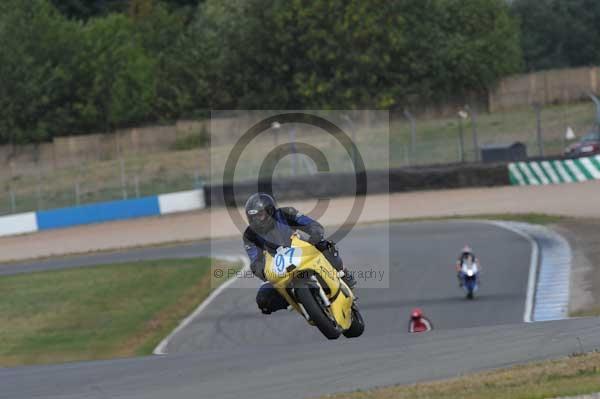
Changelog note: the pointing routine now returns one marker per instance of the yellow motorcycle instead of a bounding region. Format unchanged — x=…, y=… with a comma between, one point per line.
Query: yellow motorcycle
x=304, y=277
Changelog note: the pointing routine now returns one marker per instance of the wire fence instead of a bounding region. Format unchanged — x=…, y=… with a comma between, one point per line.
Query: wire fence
x=410, y=141
x=120, y=179
x=460, y=138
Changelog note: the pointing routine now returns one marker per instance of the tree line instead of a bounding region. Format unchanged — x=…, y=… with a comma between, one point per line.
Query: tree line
x=75, y=66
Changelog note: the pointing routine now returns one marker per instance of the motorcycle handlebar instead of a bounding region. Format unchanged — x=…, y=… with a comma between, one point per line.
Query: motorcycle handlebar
x=304, y=236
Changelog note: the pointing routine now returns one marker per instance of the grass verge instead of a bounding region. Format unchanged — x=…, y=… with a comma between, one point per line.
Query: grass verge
x=99, y=312
x=532, y=218
x=591, y=312
x=576, y=375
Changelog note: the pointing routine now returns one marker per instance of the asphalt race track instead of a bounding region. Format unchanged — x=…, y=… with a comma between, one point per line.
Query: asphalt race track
x=232, y=351
x=421, y=273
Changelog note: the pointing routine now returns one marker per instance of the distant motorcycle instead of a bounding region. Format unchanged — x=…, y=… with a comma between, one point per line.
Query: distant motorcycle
x=469, y=275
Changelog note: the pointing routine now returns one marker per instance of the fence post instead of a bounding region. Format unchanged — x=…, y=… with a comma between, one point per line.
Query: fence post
x=38, y=194
x=136, y=180
x=38, y=191
x=461, y=139
x=474, y=128
x=597, y=102
x=275, y=126
x=196, y=183
x=77, y=193
x=413, y=130
x=352, y=128
x=292, y=134
x=13, y=201
x=123, y=178
x=538, y=121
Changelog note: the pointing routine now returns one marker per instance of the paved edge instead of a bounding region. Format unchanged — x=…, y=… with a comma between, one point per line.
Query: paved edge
x=533, y=266
x=161, y=349
x=554, y=279
x=548, y=290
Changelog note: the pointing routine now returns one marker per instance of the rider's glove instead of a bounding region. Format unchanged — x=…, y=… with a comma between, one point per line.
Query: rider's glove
x=316, y=236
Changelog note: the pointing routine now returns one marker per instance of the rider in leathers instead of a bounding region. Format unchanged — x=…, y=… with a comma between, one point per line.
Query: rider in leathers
x=467, y=255
x=270, y=228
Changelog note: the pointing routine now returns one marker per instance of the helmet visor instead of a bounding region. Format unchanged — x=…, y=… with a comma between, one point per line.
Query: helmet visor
x=259, y=219
x=257, y=215
x=261, y=216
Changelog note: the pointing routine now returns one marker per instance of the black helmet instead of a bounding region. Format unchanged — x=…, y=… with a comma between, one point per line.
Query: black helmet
x=260, y=209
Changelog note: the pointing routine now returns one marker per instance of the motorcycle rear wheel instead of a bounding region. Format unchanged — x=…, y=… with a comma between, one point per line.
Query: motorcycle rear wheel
x=308, y=297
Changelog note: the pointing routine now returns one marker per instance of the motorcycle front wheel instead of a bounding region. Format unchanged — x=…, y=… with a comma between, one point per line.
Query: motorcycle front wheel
x=309, y=298
x=358, y=325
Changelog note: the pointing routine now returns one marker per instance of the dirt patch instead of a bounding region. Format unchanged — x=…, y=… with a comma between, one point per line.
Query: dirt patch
x=584, y=237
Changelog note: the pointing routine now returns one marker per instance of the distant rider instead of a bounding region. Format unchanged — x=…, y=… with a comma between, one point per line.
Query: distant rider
x=269, y=228
x=466, y=256
x=419, y=323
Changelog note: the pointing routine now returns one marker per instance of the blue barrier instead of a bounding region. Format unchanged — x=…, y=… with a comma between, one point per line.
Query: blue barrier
x=98, y=213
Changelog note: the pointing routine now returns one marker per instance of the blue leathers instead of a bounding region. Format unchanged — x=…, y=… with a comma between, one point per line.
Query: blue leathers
x=281, y=227
x=285, y=222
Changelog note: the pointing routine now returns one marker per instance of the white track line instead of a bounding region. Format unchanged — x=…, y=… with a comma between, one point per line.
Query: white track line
x=161, y=349
x=533, y=266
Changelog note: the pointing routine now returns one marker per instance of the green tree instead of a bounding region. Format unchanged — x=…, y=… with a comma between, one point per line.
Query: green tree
x=116, y=81
x=227, y=42
x=293, y=54
x=163, y=35
x=458, y=46
x=557, y=34
x=349, y=53
x=85, y=9
x=36, y=64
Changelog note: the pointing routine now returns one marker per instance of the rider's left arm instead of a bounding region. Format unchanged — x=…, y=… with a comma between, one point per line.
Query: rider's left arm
x=304, y=223
x=255, y=254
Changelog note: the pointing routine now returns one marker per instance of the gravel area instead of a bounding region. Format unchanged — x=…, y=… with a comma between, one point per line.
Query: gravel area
x=584, y=237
